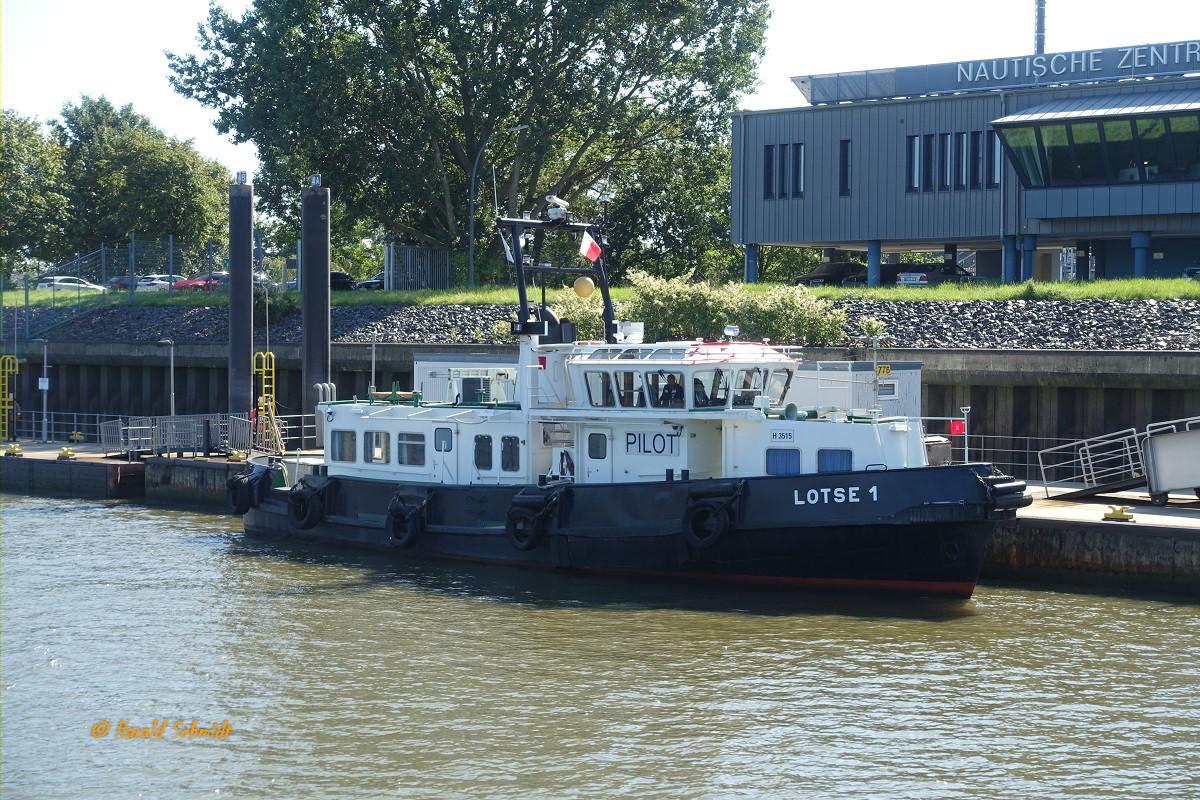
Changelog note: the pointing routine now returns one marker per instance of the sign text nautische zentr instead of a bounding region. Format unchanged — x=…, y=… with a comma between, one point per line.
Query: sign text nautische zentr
x=1143, y=59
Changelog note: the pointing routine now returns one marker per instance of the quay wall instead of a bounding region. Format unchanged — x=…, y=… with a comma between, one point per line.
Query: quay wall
x=85, y=479
x=189, y=483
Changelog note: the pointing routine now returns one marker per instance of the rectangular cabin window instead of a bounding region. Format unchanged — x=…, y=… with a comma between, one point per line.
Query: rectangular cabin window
x=798, y=169
x=342, y=445
x=844, y=167
x=375, y=447
x=410, y=449
x=510, y=453
x=835, y=461
x=749, y=383
x=768, y=172
x=665, y=389
x=597, y=445
x=912, y=165
x=995, y=158
x=777, y=387
x=483, y=453
x=945, y=162
x=783, y=461
x=928, y=165
x=976, y=159
x=710, y=388
x=887, y=390
x=443, y=440
x=629, y=389
x=599, y=389
x=961, y=160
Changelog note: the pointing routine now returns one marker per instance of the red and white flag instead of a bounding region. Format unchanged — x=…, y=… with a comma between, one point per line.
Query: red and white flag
x=588, y=247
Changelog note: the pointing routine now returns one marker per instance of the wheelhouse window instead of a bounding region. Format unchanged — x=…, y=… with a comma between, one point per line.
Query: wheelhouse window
x=710, y=388
x=410, y=449
x=749, y=383
x=483, y=452
x=342, y=445
x=665, y=389
x=443, y=440
x=783, y=461
x=599, y=389
x=829, y=460
x=777, y=387
x=375, y=447
x=510, y=453
x=629, y=389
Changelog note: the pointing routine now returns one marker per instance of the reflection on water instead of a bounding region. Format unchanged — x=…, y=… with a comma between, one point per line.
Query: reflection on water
x=355, y=675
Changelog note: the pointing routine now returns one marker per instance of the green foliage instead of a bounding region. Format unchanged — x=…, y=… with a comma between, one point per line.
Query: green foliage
x=1120, y=289
x=31, y=172
x=871, y=326
x=585, y=312
x=278, y=303
x=125, y=175
x=392, y=101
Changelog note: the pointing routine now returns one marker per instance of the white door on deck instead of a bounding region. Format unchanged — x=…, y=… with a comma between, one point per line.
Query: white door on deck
x=597, y=455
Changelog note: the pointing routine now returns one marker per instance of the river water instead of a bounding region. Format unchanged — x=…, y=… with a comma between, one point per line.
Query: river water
x=349, y=675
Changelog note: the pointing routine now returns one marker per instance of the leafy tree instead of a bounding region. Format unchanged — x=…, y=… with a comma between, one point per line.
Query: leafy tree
x=31, y=171
x=125, y=175
x=391, y=101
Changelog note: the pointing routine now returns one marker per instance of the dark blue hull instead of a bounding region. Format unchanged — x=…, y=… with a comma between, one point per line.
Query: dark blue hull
x=921, y=530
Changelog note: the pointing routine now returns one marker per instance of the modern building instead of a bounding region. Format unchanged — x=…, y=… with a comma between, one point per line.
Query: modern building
x=1093, y=153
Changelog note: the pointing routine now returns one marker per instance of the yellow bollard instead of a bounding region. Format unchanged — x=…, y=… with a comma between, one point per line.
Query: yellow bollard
x=1118, y=514
x=236, y=455
x=14, y=450
x=66, y=454
x=75, y=436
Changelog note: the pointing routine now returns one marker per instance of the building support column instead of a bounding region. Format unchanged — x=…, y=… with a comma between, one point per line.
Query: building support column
x=1140, y=241
x=1008, y=259
x=1083, y=260
x=874, y=259
x=949, y=258
x=1028, y=248
x=751, y=263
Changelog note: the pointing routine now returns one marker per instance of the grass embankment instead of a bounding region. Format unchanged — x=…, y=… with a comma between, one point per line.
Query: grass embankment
x=1127, y=289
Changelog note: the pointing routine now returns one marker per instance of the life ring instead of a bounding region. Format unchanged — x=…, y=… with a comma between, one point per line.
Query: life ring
x=305, y=507
x=240, y=491
x=705, y=522
x=405, y=524
x=524, y=527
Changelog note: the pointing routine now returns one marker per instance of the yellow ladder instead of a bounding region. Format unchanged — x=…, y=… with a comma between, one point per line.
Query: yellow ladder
x=8, y=368
x=267, y=436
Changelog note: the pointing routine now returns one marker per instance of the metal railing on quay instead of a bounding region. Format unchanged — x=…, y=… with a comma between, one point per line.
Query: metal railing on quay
x=58, y=426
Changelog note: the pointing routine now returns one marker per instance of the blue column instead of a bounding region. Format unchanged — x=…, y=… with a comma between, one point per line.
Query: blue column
x=874, y=259
x=1140, y=240
x=751, y=263
x=1028, y=248
x=1008, y=259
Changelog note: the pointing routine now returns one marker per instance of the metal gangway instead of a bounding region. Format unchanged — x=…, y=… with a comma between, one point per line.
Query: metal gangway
x=1158, y=457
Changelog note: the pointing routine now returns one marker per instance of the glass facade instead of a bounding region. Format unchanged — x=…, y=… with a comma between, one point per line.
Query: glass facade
x=1106, y=151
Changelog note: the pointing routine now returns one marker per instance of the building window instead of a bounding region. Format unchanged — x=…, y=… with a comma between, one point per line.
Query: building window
x=510, y=453
x=1023, y=144
x=1089, y=152
x=768, y=172
x=375, y=447
x=410, y=449
x=798, y=169
x=976, y=159
x=1060, y=164
x=887, y=390
x=483, y=453
x=782, y=170
x=443, y=440
x=844, y=167
x=835, y=461
x=927, y=163
x=912, y=164
x=961, y=161
x=597, y=445
x=945, y=162
x=1154, y=146
x=995, y=160
x=783, y=461
x=342, y=445
x=1186, y=133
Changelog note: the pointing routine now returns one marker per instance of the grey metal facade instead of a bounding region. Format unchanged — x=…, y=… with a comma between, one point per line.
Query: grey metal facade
x=882, y=208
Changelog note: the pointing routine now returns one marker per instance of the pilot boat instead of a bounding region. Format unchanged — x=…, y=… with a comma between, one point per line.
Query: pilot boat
x=658, y=460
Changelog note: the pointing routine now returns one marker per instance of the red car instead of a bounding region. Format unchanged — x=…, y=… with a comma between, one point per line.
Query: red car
x=206, y=282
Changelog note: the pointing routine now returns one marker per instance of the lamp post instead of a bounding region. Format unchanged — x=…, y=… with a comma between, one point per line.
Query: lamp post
x=471, y=222
x=44, y=385
x=171, y=344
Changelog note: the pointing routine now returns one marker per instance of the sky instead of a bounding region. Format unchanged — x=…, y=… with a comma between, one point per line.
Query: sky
x=54, y=51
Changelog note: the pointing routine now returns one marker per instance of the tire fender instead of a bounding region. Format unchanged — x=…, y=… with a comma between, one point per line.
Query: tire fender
x=524, y=527
x=705, y=522
x=306, y=507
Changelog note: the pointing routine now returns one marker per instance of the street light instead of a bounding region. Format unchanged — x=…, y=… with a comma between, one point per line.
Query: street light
x=170, y=343
x=44, y=385
x=471, y=223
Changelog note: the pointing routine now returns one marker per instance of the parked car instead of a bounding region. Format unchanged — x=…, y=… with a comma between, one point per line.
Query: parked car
x=1192, y=272
x=156, y=282
x=375, y=282
x=887, y=275
x=260, y=279
x=338, y=282
x=206, y=281
x=57, y=282
x=829, y=273
x=917, y=275
x=124, y=282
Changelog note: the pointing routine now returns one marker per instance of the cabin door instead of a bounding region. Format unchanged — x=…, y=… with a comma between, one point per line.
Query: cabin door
x=597, y=455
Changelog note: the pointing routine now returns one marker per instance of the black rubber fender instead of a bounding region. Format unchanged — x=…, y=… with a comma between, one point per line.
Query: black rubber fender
x=242, y=491
x=524, y=527
x=306, y=507
x=405, y=524
x=705, y=522
x=1012, y=501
